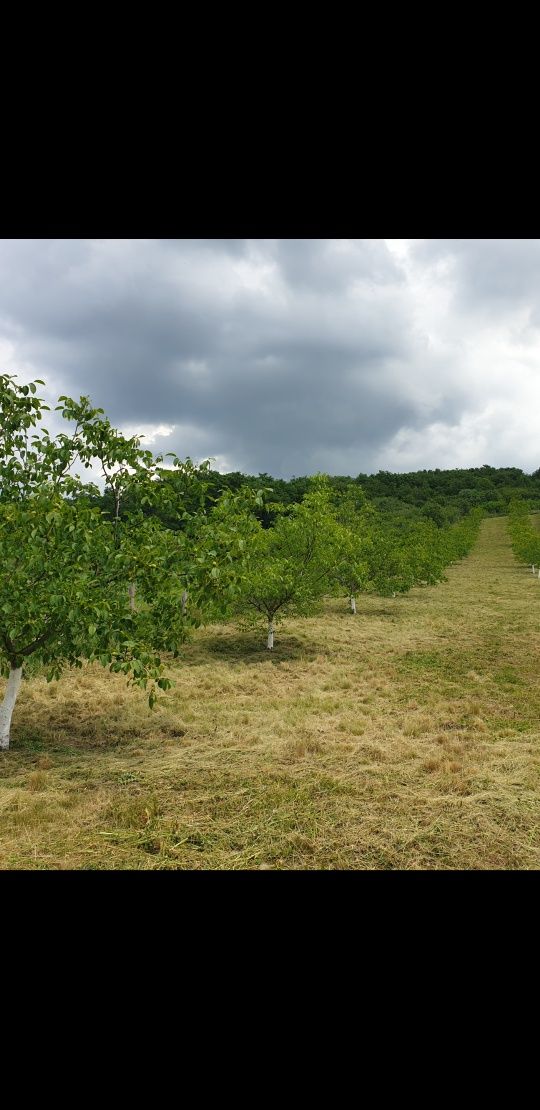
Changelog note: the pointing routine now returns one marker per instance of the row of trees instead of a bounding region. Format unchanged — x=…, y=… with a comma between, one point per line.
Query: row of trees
x=317, y=548
x=122, y=579
x=524, y=534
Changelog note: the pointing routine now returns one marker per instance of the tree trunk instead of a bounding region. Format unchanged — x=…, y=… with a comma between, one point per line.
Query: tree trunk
x=8, y=705
x=270, y=644
x=131, y=591
x=533, y=568
x=184, y=602
x=353, y=605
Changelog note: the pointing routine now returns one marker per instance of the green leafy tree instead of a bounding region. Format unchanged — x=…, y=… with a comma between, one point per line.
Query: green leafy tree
x=67, y=564
x=352, y=569
x=357, y=521
x=524, y=534
x=205, y=561
x=290, y=565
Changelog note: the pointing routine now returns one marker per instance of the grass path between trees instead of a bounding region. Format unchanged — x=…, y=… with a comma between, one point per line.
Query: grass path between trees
x=406, y=737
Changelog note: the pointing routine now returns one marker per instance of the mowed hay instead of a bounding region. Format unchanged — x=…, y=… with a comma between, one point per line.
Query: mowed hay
x=403, y=738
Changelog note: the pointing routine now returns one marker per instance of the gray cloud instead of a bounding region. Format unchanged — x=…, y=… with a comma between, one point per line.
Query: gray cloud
x=334, y=264
x=222, y=246
x=497, y=275
x=277, y=355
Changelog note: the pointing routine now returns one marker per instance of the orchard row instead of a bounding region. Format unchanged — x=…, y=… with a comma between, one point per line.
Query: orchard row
x=125, y=585
x=524, y=535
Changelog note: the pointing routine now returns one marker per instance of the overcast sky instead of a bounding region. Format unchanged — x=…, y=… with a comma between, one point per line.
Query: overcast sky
x=289, y=356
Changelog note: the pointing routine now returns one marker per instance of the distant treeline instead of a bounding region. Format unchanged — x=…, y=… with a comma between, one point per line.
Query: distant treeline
x=440, y=495
x=443, y=496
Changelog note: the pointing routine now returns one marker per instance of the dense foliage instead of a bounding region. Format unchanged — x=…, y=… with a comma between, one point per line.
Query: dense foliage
x=387, y=555
x=83, y=583
x=291, y=565
x=443, y=496
x=524, y=534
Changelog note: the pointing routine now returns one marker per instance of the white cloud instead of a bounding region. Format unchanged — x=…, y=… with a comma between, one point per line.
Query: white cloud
x=149, y=432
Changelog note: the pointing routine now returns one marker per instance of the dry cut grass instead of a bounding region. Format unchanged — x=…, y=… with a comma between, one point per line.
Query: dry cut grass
x=403, y=738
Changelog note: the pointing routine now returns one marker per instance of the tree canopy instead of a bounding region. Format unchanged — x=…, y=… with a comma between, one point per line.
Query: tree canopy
x=68, y=563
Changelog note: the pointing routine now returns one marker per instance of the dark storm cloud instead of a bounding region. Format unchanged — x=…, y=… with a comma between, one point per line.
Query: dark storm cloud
x=168, y=332
x=277, y=355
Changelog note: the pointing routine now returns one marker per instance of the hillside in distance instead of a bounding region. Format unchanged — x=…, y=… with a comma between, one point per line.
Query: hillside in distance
x=441, y=495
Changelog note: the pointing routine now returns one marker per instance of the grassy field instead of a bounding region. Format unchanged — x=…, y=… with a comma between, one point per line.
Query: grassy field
x=406, y=737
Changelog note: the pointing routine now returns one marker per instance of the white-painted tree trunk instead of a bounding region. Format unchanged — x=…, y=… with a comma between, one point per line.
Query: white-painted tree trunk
x=353, y=605
x=533, y=568
x=131, y=591
x=270, y=644
x=184, y=602
x=8, y=705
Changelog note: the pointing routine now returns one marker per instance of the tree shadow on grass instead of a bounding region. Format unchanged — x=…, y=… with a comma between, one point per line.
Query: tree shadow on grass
x=387, y=614
x=363, y=615
x=80, y=738
x=92, y=735
x=249, y=648
x=31, y=743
